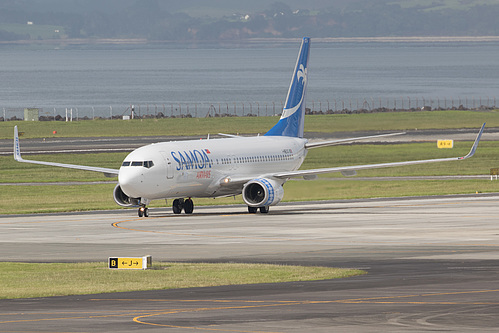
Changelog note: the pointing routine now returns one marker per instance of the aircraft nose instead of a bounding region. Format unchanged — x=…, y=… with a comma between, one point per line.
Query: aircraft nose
x=130, y=180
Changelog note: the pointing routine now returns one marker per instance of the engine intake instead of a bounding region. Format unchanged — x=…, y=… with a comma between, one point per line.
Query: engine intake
x=262, y=192
x=124, y=200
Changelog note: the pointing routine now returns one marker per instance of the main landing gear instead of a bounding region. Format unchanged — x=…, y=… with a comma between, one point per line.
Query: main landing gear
x=186, y=205
x=179, y=205
x=263, y=210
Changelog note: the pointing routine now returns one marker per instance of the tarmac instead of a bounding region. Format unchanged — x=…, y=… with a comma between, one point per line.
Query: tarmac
x=432, y=263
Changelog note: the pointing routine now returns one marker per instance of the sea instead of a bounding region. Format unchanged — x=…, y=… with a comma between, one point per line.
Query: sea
x=202, y=80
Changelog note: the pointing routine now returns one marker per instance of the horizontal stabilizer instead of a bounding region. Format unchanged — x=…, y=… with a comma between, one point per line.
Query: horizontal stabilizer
x=342, y=141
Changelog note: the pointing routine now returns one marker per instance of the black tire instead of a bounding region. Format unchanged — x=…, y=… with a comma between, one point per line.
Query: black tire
x=146, y=212
x=252, y=210
x=177, y=206
x=141, y=213
x=188, y=206
x=264, y=209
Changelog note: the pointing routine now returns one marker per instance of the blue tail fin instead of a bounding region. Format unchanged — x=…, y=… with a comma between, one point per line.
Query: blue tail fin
x=293, y=115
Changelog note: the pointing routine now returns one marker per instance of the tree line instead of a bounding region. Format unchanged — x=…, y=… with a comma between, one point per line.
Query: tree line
x=151, y=20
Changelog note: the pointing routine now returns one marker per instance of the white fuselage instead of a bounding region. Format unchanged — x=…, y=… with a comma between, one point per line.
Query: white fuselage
x=198, y=168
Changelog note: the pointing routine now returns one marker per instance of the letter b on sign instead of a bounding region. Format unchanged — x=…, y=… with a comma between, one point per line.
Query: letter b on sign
x=113, y=262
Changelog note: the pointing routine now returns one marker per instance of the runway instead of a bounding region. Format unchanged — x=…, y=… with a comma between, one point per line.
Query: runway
x=432, y=266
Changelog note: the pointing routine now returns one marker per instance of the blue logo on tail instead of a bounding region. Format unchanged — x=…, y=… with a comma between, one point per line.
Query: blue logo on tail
x=293, y=115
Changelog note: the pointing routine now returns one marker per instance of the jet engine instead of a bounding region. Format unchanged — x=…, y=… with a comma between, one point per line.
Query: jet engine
x=124, y=200
x=262, y=192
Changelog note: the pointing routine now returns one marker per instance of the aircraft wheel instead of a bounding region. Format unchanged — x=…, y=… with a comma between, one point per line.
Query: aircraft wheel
x=252, y=210
x=264, y=209
x=177, y=206
x=143, y=212
x=188, y=206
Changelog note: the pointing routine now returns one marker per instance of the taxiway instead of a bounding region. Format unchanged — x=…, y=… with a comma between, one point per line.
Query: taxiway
x=433, y=264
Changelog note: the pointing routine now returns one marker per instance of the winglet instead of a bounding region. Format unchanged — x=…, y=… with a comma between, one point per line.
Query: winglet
x=17, y=148
x=475, y=145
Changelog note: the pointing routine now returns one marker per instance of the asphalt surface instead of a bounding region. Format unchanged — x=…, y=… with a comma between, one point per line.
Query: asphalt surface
x=432, y=263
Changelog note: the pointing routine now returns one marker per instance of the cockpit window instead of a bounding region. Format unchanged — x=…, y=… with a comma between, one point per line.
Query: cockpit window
x=146, y=164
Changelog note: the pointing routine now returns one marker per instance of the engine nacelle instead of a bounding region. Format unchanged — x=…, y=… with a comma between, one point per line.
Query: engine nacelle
x=262, y=192
x=124, y=200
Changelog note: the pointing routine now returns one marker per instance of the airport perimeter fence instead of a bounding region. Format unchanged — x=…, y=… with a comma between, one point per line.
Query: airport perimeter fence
x=247, y=109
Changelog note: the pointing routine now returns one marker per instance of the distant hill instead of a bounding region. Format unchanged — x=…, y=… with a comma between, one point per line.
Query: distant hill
x=200, y=20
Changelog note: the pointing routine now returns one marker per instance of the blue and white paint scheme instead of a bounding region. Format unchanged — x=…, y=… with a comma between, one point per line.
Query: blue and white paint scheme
x=292, y=121
x=256, y=167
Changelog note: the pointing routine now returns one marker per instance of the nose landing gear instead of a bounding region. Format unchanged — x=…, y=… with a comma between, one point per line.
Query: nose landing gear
x=143, y=211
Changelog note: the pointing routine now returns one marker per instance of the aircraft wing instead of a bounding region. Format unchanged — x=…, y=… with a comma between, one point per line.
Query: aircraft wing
x=17, y=156
x=341, y=141
x=350, y=170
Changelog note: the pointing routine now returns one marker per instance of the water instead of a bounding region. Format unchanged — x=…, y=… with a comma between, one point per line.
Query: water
x=101, y=82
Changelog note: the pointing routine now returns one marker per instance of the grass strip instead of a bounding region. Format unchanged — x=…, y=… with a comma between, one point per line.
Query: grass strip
x=486, y=157
x=28, y=280
x=73, y=198
x=330, y=123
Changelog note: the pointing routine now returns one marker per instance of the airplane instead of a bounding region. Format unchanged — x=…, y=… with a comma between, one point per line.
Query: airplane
x=256, y=167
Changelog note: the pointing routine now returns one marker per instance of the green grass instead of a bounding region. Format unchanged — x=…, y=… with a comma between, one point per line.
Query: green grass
x=56, y=198
x=202, y=126
x=145, y=127
x=401, y=121
x=15, y=172
x=351, y=189
x=485, y=158
x=28, y=280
